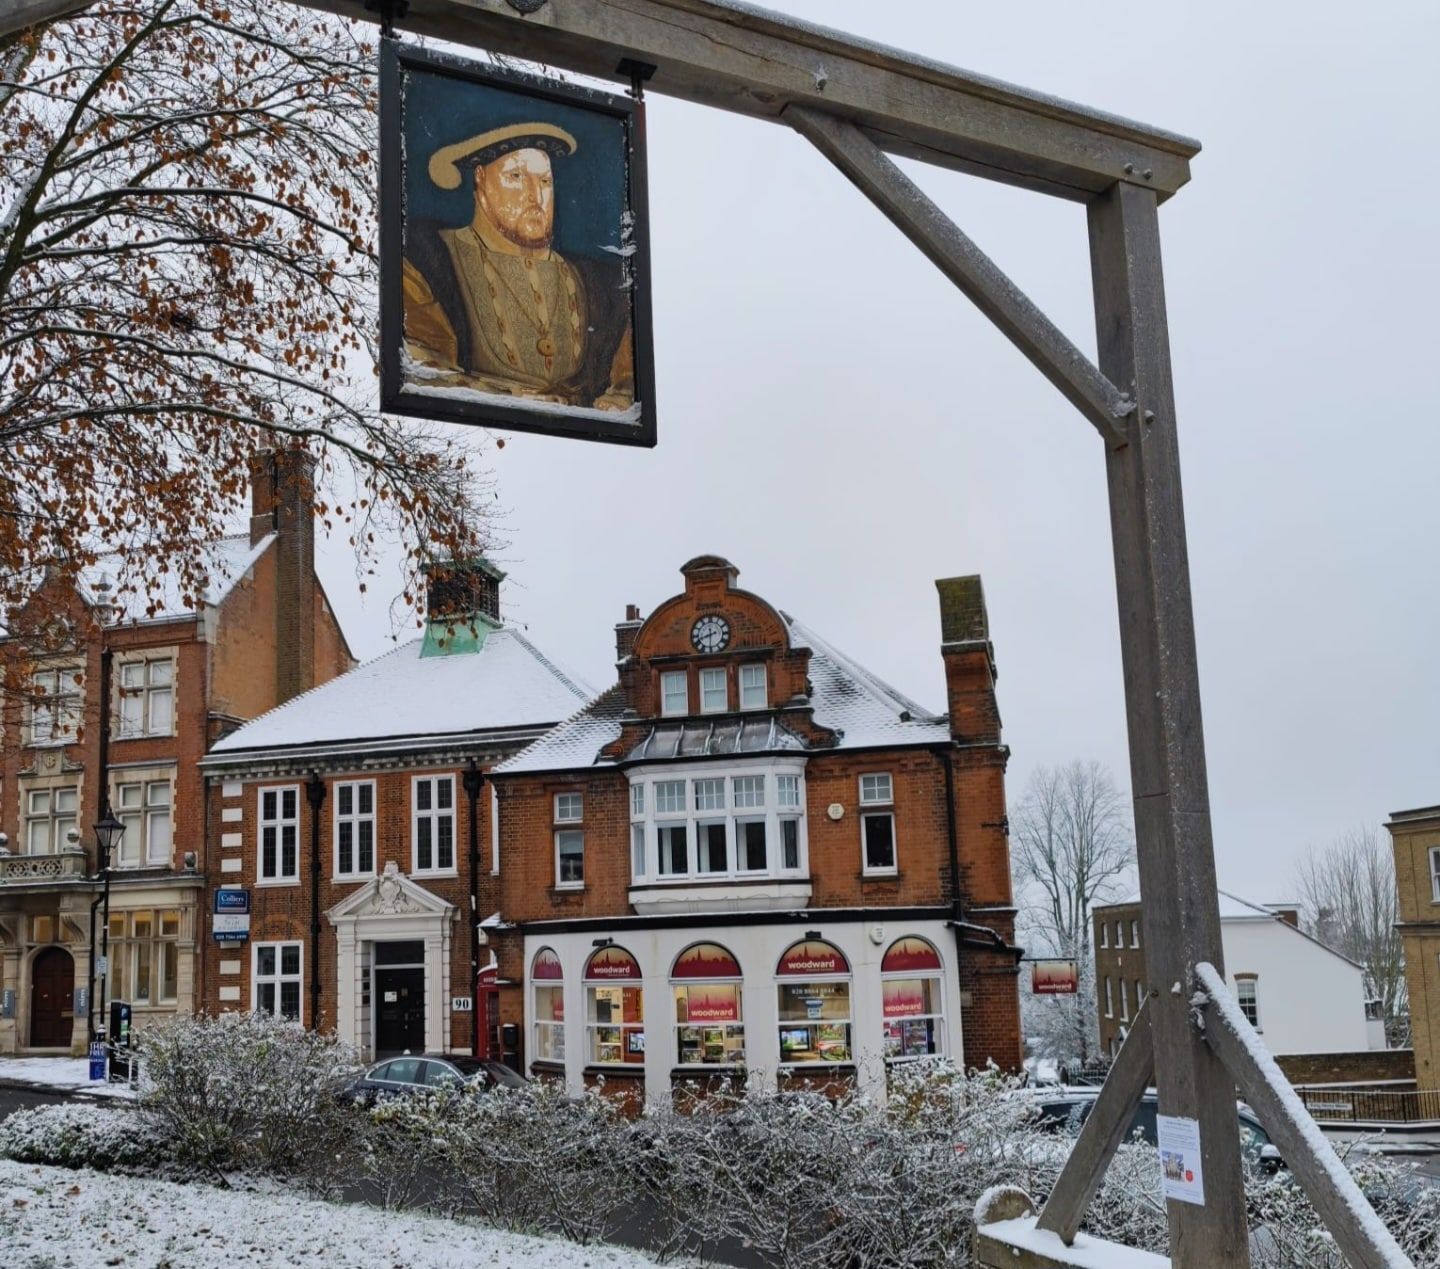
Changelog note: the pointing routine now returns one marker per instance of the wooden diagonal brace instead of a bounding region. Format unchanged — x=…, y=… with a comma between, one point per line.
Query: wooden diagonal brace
x=1347, y=1214
x=1100, y=1136
x=877, y=176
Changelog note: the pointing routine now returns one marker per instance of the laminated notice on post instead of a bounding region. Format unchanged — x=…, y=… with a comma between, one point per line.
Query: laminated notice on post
x=1179, y=1141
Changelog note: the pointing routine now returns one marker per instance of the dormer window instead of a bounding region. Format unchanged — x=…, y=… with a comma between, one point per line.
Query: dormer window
x=752, y=687
x=674, y=696
x=713, y=697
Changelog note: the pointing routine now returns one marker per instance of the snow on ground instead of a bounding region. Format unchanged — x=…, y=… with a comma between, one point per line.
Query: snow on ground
x=59, y=1219
x=67, y=1075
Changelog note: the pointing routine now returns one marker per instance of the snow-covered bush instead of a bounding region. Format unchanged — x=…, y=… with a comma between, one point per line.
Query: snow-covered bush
x=75, y=1135
x=532, y=1159
x=251, y=1092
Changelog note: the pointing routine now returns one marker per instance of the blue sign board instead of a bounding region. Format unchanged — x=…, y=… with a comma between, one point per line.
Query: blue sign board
x=233, y=901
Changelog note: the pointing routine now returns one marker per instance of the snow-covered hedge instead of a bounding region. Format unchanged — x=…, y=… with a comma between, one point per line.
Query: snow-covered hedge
x=82, y=1135
x=248, y=1092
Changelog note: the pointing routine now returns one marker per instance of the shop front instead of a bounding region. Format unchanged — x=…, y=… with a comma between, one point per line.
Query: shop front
x=751, y=1004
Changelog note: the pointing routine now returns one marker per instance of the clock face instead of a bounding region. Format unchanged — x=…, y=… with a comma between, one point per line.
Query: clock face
x=710, y=634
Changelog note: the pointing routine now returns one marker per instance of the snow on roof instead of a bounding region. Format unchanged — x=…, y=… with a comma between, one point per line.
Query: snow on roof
x=576, y=742
x=228, y=560
x=507, y=684
x=864, y=711
x=851, y=700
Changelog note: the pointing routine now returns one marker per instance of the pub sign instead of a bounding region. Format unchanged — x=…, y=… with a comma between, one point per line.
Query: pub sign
x=513, y=251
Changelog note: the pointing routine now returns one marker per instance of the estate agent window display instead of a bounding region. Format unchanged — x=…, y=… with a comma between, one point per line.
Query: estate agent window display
x=912, y=992
x=614, y=1009
x=547, y=978
x=813, y=985
x=709, y=1023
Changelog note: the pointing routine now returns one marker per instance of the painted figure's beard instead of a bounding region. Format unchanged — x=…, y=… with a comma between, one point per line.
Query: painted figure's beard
x=531, y=241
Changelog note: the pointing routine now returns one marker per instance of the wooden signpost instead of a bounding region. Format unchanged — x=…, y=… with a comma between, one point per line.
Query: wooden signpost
x=859, y=103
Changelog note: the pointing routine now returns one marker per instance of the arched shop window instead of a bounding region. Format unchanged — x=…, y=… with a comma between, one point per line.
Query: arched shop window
x=814, y=990
x=911, y=988
x=546, y=980
x=615, y=1008
x=709, y=1026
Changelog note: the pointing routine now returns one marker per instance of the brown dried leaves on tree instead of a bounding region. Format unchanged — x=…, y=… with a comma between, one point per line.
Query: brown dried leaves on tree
x=188, y=275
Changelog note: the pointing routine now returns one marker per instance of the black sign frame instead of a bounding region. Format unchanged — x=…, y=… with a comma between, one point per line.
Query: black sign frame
x=396, y=396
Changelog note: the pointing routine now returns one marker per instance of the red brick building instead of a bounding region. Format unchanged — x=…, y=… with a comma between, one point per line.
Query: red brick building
x=751, y=858
x=180, y=674
x=356, y=822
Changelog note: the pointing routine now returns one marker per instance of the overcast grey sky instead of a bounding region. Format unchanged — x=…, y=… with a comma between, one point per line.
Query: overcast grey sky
x=837, y=420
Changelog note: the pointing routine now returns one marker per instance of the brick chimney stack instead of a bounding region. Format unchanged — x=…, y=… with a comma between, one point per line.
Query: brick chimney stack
x=625, y=631
x=282, y=501
x=969, y=661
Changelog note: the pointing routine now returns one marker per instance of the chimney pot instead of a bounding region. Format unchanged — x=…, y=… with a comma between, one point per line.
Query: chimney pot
x=632, y=612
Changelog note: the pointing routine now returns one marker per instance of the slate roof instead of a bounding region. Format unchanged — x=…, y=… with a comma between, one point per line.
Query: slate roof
x=864, y=711
x=228, y=558
x=400, y=697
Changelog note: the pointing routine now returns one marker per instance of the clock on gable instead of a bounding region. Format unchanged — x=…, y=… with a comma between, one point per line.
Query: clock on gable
x=710, y=634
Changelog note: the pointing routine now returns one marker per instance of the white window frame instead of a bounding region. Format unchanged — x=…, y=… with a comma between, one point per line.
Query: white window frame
x=565, y=816
x=278, y=978
x=669, y=681
x=1109, y=998
x=1124, y=1001
x=1435, y=874
x=648, y=818
x=880, y=798
x=792, y=1024
x=1134, y=931
x=146, y=813
x=61, y=709
x=710, y=677
x=1104, y=933
x=147, y=693
x=557, y=1029
x=279, y=824
x=569, y=885
x=355, y=818
x=748, y=698
x=727, y=1029
x=55, y=835
x=435, y=814
x=936, y=976
x=1253, y=982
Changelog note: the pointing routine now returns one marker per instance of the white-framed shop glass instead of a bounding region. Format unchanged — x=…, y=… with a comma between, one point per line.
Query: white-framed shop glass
x=813, y=986
x=547, y=987
x=614, y=1008
x=709, y=1021
x=912, y=987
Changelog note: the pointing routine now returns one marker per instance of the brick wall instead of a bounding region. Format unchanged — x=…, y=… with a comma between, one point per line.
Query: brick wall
x=1348, y=1068
x=283, y=912
x=1413, y=835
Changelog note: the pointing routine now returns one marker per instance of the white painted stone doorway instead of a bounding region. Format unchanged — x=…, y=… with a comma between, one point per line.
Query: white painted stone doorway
x=391, y=908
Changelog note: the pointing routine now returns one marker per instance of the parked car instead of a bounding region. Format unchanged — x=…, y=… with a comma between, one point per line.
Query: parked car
x=411, y=1073
x=1069, y=1109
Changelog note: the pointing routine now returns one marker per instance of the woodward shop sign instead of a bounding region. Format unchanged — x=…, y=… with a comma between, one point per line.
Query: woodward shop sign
x=813, y=957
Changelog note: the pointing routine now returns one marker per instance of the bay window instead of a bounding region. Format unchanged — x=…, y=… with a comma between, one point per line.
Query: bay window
x=717, y=823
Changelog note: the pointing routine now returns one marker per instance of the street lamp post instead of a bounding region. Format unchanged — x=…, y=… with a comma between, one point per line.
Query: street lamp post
x=108, y=832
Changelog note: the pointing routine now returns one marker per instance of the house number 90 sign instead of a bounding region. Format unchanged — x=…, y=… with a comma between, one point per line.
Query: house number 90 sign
x=461, y=1004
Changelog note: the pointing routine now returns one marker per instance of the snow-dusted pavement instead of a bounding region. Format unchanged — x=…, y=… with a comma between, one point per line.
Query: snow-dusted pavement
x=57, y=1218
x=64, y=1074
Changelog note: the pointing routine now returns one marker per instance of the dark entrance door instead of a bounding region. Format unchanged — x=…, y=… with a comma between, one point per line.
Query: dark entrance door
x=52, y=999
x=399, y=998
